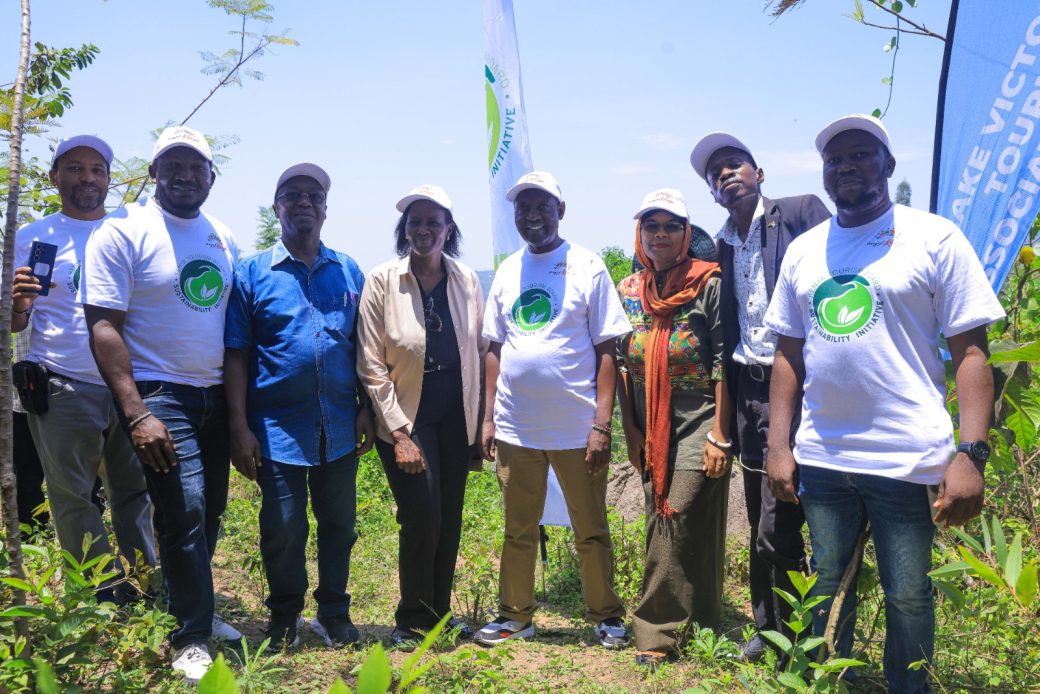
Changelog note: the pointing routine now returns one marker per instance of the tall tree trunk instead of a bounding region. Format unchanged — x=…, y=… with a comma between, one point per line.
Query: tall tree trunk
x=8, y=486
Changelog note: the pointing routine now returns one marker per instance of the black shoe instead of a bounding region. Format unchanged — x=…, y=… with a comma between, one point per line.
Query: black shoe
x=282, y=632
x=337, y=631
x=753, y=650
x=463, y=631
x=653, y=659
x=405, y=639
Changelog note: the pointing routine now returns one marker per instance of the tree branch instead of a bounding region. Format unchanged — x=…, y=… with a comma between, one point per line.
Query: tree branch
x=920, y=27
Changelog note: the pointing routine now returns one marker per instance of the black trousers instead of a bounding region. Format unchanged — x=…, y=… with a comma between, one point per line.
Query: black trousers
x=429, y=504
x=29, y=472
x=776, y=526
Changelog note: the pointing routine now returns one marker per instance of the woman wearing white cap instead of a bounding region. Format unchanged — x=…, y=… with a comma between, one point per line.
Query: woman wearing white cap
x=675, y=412
x=420, y=358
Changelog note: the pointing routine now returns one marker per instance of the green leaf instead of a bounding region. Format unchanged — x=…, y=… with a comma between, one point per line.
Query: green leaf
x=19, y=584
x=968, y=540
x=955, y=568
x=374, y=677
x=983, y=571
x=897, y=6
x=802, y=583
x=876, y=113
x=1027, y=586
x=792, y=681
x=846, y=662
x=788, y=598
x=1027, y=352
x=781, y=641
x=24, y=611
x=1013, y=565
x=810, y=643
x=952, y=593
x=46, y=683
x=339, y=687
x=218, y=679
x=1000, y=548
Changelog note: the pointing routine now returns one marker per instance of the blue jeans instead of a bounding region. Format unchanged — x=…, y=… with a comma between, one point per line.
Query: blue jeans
x=189, y=499
x=837, y=505
x=284, y=528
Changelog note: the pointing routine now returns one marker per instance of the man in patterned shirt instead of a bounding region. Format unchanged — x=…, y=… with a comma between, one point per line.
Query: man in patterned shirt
x=752, y=244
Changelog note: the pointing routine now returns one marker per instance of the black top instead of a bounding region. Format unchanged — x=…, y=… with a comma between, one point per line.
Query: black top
x=442, y=349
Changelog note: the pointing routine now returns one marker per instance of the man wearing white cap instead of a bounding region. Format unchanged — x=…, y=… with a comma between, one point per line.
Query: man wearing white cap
x=552, y=319
x=293, y=404
x=752, y=244
x=155, y=283
x=80, y=427
x=859, y=305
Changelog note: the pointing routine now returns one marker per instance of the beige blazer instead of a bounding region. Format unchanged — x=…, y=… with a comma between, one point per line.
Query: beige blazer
x=392, y=342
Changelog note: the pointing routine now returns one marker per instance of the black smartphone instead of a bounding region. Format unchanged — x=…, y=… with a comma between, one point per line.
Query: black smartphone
x=41, y=263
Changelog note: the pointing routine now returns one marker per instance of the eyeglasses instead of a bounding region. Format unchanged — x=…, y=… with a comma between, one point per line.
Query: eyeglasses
x=669, y=228
x=315, y=198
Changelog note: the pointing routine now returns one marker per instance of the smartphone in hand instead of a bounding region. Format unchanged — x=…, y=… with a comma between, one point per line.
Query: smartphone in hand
x=41, y=263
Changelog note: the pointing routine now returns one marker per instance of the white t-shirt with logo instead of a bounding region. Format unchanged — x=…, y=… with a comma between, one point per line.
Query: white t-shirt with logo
x=172, y=277
x=59, y=337
x=870, y=302
x=549, y=310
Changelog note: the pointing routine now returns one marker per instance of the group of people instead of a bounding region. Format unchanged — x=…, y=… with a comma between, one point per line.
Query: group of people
x=805, y=346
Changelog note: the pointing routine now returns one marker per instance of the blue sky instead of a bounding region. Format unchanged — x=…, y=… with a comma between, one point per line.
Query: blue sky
x=388, y=95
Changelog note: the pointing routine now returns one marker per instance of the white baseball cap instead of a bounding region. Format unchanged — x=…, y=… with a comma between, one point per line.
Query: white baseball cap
x=855, y=121
x=92, y=141
x=305, y=169
x=434, y=194
x=667, y=199
x=182, y=136
x=708, y=145
x=542, y=180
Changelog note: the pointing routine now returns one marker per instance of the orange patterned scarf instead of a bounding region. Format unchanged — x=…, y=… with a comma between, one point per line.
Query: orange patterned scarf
x=683, y=282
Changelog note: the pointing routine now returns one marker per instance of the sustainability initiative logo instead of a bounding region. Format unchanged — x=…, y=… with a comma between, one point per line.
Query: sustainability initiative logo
x=845, y=306
x=72, y=283
x=535, y=309
x=200, y=284
x=501, y=114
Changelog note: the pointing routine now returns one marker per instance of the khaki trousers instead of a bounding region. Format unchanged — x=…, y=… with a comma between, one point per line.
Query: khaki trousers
x=522, y=474
x=685, y=561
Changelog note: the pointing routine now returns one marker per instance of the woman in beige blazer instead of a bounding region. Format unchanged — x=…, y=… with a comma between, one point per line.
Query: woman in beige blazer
x=420, y=355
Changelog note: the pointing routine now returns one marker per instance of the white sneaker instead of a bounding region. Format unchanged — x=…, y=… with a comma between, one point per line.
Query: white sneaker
x=222, y=631
x=192, y=661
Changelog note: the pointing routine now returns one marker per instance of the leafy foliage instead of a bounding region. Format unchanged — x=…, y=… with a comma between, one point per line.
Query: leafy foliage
x=268, y=229
x=619, y=264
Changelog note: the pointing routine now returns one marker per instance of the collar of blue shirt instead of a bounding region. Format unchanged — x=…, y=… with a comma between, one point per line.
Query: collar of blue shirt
x=280, y=253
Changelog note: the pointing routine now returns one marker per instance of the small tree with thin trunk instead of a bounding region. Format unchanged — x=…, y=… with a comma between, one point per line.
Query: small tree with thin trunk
x=8, y=483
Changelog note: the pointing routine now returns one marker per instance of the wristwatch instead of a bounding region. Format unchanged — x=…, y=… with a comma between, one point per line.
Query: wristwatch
x=978, y=451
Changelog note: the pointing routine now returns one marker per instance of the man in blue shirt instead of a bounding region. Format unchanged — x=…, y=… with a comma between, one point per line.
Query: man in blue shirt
x=293, y=405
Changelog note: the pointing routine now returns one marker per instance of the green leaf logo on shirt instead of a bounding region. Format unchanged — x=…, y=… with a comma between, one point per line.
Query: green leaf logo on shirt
x=72, y=284
x=532, y=310
x=844, y=304
x=201, y=283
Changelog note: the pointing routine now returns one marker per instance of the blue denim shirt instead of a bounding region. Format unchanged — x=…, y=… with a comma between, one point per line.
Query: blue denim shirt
x=297, y=325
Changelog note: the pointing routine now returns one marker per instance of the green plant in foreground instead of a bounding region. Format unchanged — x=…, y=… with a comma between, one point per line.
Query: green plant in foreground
x=374, y=676
x=826, y=676
x=994, y=561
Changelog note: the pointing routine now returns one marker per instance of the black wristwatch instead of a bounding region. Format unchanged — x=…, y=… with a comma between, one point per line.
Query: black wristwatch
x=978, y=451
